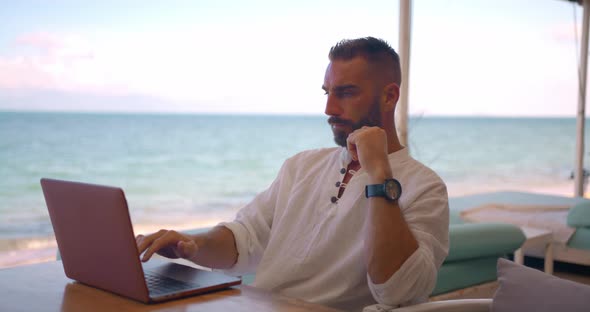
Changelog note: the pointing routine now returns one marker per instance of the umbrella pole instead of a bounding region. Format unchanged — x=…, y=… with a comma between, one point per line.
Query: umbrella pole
x=405, y=31
x=579, y=169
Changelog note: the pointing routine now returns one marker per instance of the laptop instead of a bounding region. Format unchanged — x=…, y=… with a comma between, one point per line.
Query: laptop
x=97, y=246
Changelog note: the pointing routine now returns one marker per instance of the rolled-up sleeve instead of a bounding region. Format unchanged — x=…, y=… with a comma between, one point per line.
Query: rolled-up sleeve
x=427, y=216
x=252, y=226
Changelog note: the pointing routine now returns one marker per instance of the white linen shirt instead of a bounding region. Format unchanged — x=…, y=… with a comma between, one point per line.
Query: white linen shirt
x=301, y=244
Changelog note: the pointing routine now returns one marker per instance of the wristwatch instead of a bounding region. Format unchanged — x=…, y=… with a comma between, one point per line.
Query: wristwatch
x=391, y=189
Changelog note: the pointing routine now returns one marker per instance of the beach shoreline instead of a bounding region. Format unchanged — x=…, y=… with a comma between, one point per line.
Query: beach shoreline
x=45, y=249
x=37, y=250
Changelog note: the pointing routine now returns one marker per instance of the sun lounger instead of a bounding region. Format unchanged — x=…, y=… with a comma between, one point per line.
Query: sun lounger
x=470, y=267
x=576, y=249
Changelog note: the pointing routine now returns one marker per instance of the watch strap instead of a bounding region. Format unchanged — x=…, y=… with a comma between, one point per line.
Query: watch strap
x=375, y=190
x=380, y=190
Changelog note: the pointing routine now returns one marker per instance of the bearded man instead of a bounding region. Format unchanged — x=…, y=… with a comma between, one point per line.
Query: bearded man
x=335, y=227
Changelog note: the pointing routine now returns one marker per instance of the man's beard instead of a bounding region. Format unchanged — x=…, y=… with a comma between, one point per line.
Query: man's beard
x=373, y=119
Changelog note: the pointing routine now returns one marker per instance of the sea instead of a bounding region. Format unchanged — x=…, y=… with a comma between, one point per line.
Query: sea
x=183, y=170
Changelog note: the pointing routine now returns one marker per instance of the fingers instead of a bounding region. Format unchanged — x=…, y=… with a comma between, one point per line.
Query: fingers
x=143, y=242
x=187, y=249
x=352, y=150
x=154, y=242
x=353, y=141
x=138, y=239
x=365, y=143
x=351, y=145
x=166, y=243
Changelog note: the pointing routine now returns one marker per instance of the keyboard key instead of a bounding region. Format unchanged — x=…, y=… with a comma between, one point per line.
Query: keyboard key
x=160, y=285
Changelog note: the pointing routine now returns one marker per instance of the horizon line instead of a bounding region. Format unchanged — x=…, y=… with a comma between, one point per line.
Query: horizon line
x=256, y=113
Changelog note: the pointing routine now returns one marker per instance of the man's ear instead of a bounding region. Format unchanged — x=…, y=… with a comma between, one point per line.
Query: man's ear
x=390, y=97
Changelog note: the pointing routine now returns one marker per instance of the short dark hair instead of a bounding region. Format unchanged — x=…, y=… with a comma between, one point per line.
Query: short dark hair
x=376, y=51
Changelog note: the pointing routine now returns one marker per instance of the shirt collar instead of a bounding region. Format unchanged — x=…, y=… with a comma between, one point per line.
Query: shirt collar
x=345, y=157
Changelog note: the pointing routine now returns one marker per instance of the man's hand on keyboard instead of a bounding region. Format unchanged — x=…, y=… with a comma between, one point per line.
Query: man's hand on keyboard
x=167, y=243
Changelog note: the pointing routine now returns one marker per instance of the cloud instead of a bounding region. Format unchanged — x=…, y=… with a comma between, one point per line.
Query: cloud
x=43, y=40
x=49, y=61
x=278, y=66
x=21, y=72
x=273, y=63
x=220, y=67
x=161, y=62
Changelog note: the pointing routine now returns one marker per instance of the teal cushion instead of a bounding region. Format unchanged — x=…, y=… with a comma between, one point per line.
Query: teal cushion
x=580, y=239
x=476, y=240
x=579, y=215
x=463, y=274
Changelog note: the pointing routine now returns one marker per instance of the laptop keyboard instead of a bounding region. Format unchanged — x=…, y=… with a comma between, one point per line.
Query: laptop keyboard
x=162, y=285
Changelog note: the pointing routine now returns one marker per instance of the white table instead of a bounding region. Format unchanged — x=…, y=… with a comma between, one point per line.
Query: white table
x=535, y=238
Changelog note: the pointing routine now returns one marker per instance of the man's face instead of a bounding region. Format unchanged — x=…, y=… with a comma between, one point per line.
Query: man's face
x=352, y=98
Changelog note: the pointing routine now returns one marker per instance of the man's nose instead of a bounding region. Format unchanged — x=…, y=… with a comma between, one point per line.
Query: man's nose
x=333, y=107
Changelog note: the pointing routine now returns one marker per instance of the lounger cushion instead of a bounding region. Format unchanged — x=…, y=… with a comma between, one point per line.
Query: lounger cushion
x=480, y=240
x=579, y=215
x=526, y=289
x=580, y=239
x=463, y=274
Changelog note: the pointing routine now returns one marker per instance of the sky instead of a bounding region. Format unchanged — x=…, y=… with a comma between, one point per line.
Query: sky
x=468, y=58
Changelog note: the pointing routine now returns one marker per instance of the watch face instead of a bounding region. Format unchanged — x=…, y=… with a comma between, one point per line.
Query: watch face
x=392, y=189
